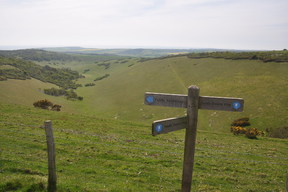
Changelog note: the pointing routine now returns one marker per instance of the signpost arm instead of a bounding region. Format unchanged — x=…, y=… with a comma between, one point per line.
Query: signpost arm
x=190, y=137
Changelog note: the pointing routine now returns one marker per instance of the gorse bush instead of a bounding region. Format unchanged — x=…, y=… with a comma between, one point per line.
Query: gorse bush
x=43, y=104
x=46, y=104
x=56, y=107
x=242, y=122
x=251, y=133
x=236, y=130
x=238, y=126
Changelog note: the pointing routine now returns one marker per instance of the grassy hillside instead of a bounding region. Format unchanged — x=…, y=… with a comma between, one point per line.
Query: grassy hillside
x=140, y=52
x=121, y=94
x=29, y=91
x=37, y=55
x=265, y=56
x=261, y=85
x=96, y=154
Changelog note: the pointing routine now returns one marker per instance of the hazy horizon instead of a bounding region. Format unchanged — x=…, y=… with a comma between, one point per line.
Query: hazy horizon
x=3, y=48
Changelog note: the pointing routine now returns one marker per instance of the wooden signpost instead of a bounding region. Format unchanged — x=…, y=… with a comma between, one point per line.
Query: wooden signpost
x=192, y=102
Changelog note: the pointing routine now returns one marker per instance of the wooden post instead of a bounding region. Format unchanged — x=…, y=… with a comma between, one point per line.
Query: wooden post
x=190, y=137
x=51, y=156
x=287, y=182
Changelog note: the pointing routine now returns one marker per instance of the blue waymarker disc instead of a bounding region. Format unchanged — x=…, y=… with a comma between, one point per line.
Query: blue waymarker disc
x=236, y=105
x=159, y=128
x=150, y=99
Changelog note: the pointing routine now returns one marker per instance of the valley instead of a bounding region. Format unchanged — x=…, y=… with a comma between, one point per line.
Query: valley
x=104, y=142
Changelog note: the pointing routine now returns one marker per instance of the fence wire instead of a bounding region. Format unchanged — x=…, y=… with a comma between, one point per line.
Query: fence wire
x=121, y=143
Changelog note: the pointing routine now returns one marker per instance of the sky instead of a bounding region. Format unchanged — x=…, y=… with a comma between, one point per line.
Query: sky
x=224, y=24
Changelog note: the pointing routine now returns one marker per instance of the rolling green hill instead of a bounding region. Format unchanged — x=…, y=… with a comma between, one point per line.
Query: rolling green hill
x=261, y=85
x=138, y=52
x=98, y=154
x=120, y=96
x=104, y=142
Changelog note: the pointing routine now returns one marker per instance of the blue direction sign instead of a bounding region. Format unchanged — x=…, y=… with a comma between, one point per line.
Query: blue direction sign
x=168, y=125
x=168, y=100
x=221, y=103
x=205, y=102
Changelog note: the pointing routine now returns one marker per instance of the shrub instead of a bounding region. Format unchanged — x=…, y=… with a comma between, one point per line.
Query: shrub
x=238, y=126
x=46, y=104
x=43, y=104
x=102, y=77
x=56, y=107
x=242, y=122
x=89, y=84
x=55, y=92
x=70, y=94
x=236, y=130
x=252, y=133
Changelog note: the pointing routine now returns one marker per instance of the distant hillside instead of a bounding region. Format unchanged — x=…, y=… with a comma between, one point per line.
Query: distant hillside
x=265, y=56
x=129, y=52
x=36, y=55
x=59, y=55
x=11, y=68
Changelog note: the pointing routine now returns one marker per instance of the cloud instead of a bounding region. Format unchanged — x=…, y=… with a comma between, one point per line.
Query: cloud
x=181, y=23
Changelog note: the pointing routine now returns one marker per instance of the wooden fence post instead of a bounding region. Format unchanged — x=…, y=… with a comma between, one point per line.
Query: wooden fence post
x=51, y=156
x=287, y=182
x=190, y=137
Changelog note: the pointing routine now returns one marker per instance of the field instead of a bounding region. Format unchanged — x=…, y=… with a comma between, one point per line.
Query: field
x=96, y=154
x=121, y=95
x=104, y=142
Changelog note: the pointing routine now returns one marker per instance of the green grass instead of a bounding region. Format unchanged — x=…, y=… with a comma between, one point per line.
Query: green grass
x=98, y=154
x=120, y=96
x=29, y=91
x=261, y=85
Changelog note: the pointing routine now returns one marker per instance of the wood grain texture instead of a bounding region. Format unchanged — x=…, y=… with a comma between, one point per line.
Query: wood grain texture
x=190, y=137
x=166, y=100
x=169, y=125
x=52, y=179
x=205, y=102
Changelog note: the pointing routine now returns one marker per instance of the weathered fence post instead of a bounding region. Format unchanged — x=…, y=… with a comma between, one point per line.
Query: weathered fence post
x=51, y=156
x=287, y=182
x=190, y=137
